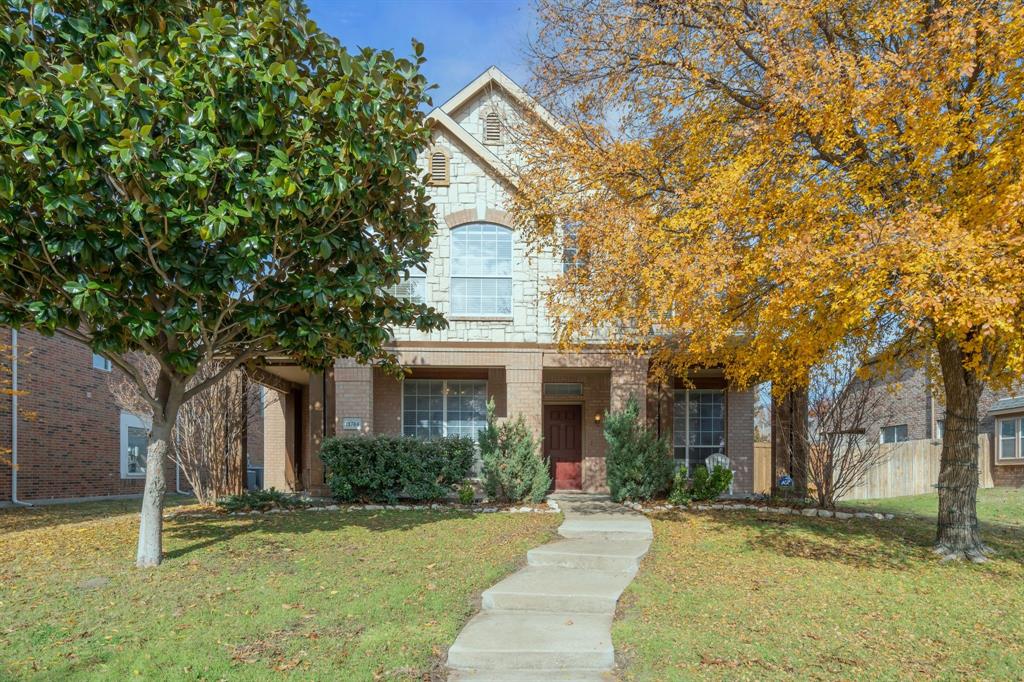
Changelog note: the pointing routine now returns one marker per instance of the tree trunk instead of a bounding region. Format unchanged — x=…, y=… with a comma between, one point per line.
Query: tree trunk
x=958, y=536
x=151, y=521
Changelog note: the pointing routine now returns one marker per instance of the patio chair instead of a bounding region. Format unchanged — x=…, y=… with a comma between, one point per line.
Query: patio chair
x=719, y=460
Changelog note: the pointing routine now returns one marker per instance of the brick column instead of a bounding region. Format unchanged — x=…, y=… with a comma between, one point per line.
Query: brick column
x=739, y=439
x=524, y=379
x=629, y=380
x=278, y=435
x=315, y=410
x=353, y=396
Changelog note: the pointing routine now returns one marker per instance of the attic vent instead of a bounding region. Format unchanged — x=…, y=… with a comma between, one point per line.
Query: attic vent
x=492, y=128
x=438, y=167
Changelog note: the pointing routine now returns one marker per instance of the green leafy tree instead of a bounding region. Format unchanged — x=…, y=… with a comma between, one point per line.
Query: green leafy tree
x=513, y=469
x=637, y=460
x=205, y=181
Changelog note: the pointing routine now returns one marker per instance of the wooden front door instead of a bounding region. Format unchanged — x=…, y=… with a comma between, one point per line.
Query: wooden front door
x=563, y=445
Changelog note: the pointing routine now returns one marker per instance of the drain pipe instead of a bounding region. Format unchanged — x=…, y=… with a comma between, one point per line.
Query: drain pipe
x=14, y=420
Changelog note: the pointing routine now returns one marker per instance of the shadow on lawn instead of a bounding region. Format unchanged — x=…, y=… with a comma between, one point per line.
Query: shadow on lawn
x=16, y=519
x=860, y=543
x=204, y=531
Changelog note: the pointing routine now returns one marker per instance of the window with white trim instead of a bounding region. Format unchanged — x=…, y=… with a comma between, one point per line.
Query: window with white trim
x=896, y=433
x=698, y=426
x=481, y=271
x=134, y=444
x=1011, y=438
x=100, y=362
x=940, y=429
x=412, y=288
x=433, y=408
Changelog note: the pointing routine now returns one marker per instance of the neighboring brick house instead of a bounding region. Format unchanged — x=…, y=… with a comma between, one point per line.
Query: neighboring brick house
x=915, y=411
x=73, y=441
x=499, y=343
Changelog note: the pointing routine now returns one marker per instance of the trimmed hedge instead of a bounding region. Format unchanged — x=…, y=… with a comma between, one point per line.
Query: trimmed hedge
x=389, y=468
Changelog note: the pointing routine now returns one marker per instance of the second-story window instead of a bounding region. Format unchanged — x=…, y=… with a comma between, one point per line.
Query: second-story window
x=481, y=271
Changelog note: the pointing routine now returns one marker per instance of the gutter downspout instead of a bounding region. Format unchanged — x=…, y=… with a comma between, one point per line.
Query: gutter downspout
x=14, y=420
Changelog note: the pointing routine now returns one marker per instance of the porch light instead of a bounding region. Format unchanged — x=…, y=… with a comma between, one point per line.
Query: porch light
x=597, y=418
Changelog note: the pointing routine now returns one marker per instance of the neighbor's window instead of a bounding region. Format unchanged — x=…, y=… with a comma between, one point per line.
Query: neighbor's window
x=940, y=429
x=698, y=426
x=134, y=442
x=482, y=271
x=100, y=362
x=893, y=434
x=432, y=408
x=1011, y=438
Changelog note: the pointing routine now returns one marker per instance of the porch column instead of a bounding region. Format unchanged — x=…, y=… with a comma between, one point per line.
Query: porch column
x=353, y=398
x=278, y=440
x=629, y=380
x=316, y=411
x=524, y=380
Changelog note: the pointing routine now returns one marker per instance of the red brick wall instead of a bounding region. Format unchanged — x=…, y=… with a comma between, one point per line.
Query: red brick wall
x=68, y=427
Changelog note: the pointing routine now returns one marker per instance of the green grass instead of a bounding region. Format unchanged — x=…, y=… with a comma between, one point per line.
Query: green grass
x=996, y=506
x=304, y=595
x=737, y=595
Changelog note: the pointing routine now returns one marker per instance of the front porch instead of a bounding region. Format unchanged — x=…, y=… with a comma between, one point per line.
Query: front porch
x=562, y=397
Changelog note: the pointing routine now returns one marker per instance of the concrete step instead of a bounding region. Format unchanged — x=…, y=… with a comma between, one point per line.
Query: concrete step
x=607, y=526
x=522, y=641
x=558, y=590
x=623, y=555
x=530, y=676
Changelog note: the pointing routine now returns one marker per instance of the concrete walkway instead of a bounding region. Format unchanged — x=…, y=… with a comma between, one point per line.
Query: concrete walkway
x=552, y=620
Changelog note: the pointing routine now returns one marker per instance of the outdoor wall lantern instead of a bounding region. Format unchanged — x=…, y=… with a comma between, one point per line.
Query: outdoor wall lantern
x=597, y=418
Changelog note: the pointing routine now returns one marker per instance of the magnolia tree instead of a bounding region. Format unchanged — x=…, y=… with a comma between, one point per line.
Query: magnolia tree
x=210, y=429
x=756, y=184
x=205, y=182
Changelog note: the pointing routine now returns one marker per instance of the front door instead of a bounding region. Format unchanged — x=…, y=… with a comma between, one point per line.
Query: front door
x=563, y=446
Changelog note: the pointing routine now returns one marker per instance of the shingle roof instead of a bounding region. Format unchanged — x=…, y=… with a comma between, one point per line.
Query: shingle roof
x=1008, y=405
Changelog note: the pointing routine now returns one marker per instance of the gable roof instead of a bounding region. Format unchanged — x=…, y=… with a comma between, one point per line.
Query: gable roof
x=493, y=76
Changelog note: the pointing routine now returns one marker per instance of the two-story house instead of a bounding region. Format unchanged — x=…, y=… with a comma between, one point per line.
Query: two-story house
x=500, y=343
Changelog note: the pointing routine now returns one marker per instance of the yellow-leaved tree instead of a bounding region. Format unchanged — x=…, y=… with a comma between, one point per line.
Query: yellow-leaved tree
x=759, y=183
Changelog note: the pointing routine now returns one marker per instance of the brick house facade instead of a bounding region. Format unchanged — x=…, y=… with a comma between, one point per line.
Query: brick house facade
x=500, y=343
x=914, y=410
x=73, y=441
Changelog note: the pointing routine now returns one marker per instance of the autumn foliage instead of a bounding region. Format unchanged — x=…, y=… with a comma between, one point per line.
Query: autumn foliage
x=757, y=184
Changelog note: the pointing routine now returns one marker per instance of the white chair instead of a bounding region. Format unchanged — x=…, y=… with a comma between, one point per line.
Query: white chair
x=719, y=460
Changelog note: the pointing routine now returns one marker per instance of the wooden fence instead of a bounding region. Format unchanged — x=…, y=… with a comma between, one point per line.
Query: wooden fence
x=908, y=468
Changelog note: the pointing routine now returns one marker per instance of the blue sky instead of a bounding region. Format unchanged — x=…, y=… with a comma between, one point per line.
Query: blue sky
x=461, y=37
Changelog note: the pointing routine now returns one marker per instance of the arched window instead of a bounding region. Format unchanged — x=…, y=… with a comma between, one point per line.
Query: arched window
x=492, y=128
x=438, y=167
x=481, y=271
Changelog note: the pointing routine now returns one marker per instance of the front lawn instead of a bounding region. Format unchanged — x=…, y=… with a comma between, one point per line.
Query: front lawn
x=309, y=595
x=742, y=595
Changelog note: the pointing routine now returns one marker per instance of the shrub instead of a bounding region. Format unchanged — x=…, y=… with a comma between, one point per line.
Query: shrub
x=466, y=494
x=708, y=486
x=386, y=468
x=638, y=463
x=261, y=500
x=513, y=469
x=680, y=488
